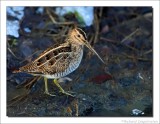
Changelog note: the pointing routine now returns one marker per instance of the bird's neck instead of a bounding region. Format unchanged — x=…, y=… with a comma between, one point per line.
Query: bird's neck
x=76, y=47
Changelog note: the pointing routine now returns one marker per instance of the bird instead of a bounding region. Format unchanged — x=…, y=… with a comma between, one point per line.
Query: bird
x=60, y=60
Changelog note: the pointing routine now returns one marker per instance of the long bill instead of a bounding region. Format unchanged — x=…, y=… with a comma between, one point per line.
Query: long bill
x=90, y=47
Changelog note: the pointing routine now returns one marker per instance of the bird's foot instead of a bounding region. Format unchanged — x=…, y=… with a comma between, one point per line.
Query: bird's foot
x=68, y=93
x=49, y=94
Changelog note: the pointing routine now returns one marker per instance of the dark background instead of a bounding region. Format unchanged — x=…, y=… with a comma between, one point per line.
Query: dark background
x=122, y=36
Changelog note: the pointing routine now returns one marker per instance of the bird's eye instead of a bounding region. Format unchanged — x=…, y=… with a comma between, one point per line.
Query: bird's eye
x=78, y=35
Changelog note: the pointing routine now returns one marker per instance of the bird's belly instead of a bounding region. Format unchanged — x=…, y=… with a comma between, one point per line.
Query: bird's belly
x=74, y=64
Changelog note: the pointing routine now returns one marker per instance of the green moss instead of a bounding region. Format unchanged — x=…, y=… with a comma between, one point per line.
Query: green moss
x=80, y=18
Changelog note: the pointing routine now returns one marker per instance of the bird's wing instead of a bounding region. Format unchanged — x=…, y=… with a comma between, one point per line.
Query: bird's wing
x=60, y=65
x=49, y=59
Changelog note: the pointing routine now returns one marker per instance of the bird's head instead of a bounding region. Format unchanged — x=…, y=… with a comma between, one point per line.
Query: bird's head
x=78, y=36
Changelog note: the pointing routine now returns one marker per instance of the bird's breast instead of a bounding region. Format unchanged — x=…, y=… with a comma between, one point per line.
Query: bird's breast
x=76, y=59
x=74, y=62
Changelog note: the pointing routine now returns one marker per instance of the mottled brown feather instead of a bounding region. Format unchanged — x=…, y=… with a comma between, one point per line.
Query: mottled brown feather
x=48, y=61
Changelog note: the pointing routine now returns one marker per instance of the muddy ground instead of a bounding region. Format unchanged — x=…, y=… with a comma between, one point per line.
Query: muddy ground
x=122, y=36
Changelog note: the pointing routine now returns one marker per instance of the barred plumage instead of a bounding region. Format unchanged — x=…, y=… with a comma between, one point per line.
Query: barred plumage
x=59, y=61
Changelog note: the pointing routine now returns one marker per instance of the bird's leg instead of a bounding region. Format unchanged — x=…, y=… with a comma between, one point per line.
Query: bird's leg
x=55, y=81
x=46, y=87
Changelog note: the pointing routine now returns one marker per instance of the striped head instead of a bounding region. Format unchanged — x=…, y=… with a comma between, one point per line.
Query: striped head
x=78, y=36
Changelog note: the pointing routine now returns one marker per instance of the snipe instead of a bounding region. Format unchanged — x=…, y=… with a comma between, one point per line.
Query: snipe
x=59, y=61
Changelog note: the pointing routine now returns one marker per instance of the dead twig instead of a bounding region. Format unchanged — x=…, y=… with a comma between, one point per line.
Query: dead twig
x=8, y=48
x=12, y=53
x=76, y=107
x=96, y=22
x=29, y=57
x=108, y=40
x=18, y=98
x=138, y=58
x=29, y=83
x=54, y=21
x=130, y=35
x=100, y=12
x=147, y=52
x=132, y=48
